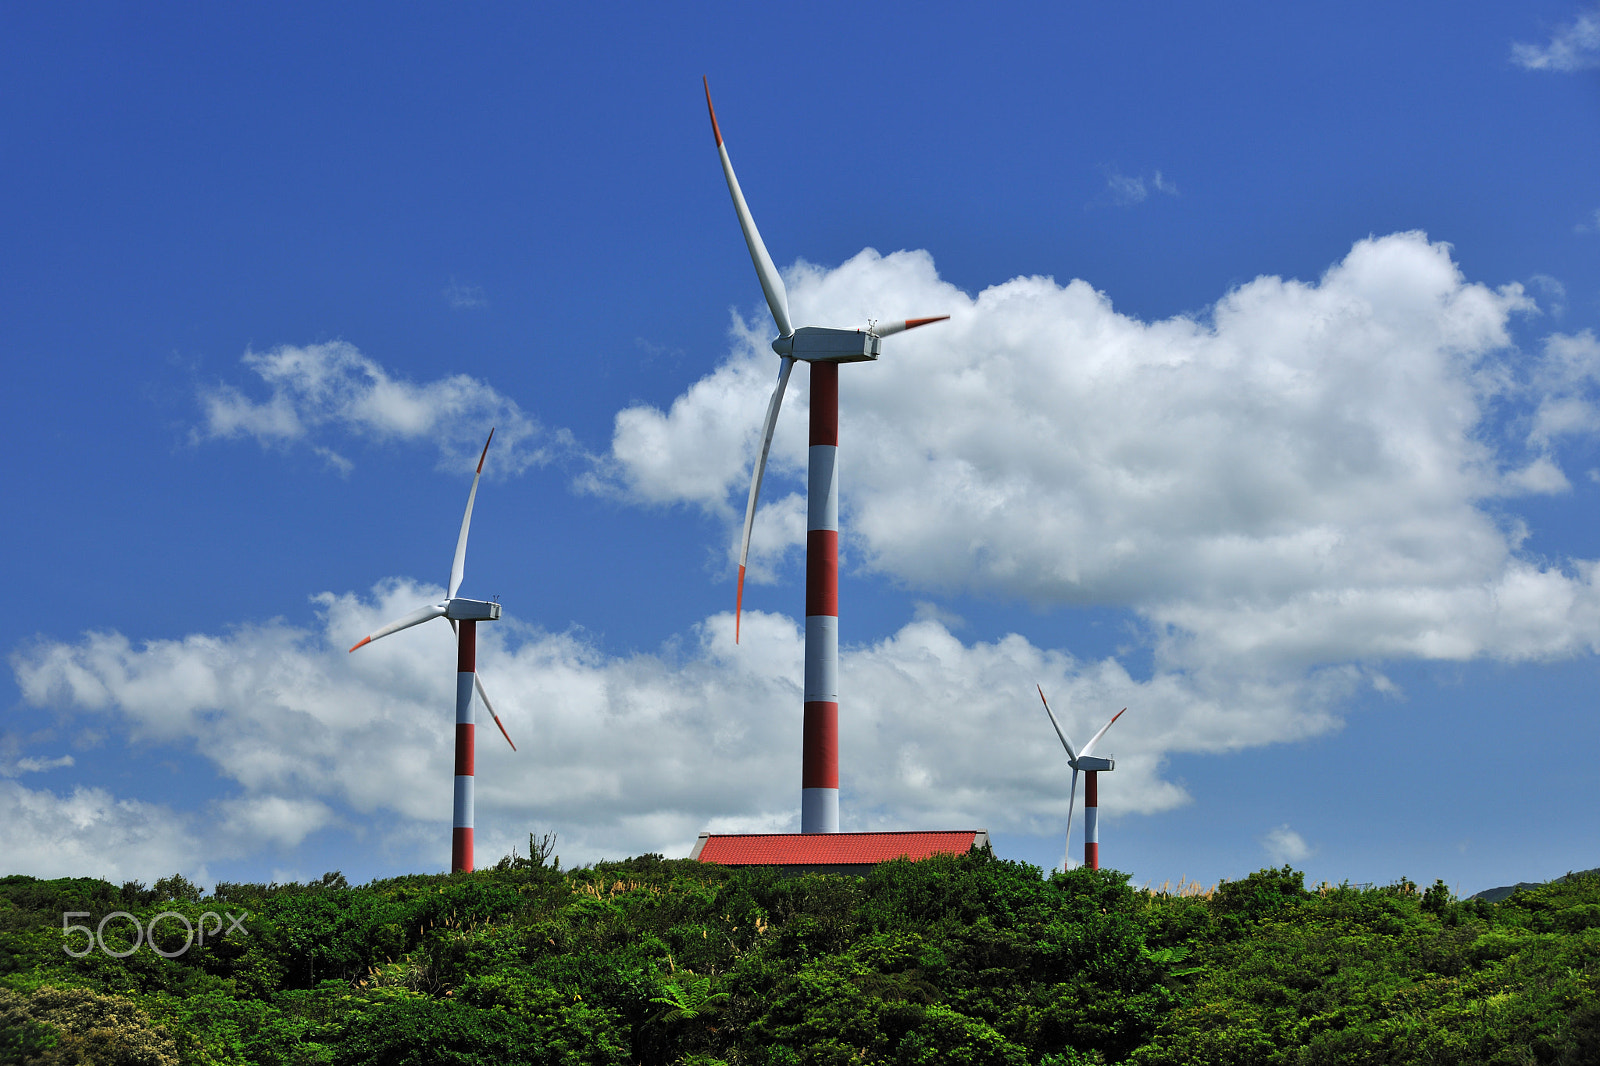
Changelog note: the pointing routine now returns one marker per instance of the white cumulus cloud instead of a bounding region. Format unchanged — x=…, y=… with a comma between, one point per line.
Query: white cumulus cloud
x=631, y=753
x=89, y=832
x=1309, y=474
x=1284, y=846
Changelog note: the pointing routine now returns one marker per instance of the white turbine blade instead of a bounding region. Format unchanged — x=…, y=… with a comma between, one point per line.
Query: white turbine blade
x=900, y=325
x=417, y=617
x=1072, y=756
x=771, y=282
x=477, y=682
x=1087, y=748
x=755, y=485
x=1066, y=860
x=459, y=565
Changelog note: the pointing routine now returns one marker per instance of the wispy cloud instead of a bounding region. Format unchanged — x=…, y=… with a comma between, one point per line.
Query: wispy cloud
x=320, y=392
x=465, y=297
x=35, y=765
x=1590, y=224
x=670, y=355
x=1554, y=302
x=1574, y=46
x=1127, y=191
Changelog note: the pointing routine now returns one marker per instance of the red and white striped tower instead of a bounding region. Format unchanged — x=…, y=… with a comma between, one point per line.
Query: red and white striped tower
x=819, y=768
x=466, y=745
x=1091, y=820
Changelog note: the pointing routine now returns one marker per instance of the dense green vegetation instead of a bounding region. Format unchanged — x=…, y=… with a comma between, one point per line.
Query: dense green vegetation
x=963, y=960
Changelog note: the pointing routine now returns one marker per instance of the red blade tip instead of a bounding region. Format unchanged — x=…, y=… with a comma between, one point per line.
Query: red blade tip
x=503, y=732
x=715, y=129
x=738, y=605
x=913, y=323
x=485, y=454
x=359, y=643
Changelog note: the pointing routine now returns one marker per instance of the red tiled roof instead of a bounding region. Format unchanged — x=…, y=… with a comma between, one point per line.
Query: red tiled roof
x=787, y=849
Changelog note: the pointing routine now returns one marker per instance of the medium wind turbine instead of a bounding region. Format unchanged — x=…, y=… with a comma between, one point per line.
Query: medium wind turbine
x=1090, y=765
x=464, y=616
x=824, y=348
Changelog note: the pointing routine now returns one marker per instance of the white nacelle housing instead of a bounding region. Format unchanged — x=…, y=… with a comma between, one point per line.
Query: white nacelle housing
x=1094, y=762
x=464, y=610
x=820, y=344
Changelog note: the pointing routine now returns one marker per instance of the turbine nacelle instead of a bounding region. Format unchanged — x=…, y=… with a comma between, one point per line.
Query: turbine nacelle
x=461, y=609
x=1093, y=762
x=823, y=344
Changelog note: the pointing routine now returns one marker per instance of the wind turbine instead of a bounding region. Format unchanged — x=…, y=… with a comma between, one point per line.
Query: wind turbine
x=1090, y=765
x=824, y=348
x=464, y=616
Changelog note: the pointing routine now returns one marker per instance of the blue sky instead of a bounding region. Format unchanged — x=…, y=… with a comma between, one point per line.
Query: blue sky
x=1267, y=408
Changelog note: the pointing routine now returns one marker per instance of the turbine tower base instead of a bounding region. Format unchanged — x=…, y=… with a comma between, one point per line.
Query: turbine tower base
x=819, y=810
x=1091, y=820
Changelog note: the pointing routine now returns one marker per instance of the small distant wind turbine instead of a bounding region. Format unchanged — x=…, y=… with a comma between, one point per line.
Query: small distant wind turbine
x=464, y=616
x=824, y=348
x=1090, y=765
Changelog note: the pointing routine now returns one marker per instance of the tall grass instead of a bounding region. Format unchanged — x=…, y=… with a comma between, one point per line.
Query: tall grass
x=1186, y=889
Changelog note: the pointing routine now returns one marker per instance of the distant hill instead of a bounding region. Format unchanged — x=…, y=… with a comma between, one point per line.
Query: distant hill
x=1495, y=895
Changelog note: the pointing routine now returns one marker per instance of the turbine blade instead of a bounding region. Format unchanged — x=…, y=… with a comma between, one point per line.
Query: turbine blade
x=1087, y=748
x=1072, y=756
x=755, y=485
x=771, y=281
x=458, y=566
x=900, y=325
x=417, y=617
x=477, y=682
x=1072, y=797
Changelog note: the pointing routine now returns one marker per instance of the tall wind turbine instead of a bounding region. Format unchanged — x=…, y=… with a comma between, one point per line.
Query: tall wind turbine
x=464, y=616
x=1090, y=765
x=824, y=348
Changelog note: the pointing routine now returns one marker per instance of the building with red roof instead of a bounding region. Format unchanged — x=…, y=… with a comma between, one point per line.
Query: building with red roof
x=832, y=853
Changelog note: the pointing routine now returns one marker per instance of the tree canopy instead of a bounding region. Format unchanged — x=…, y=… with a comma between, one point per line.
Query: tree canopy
x=966, y=960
